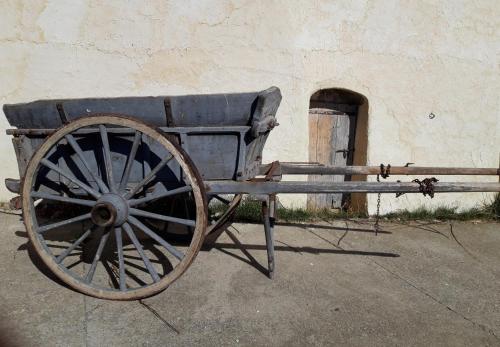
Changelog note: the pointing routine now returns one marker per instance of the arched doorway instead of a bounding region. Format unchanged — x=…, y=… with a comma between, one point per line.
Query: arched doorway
x=338, y=121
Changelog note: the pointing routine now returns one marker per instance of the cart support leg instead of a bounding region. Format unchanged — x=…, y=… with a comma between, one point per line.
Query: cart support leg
x=268, y=215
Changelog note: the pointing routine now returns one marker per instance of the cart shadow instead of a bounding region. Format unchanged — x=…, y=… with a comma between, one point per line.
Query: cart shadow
x=107, y=264
x=236, y=245
x=332, y=227
x=249, y=259
x=37, y=261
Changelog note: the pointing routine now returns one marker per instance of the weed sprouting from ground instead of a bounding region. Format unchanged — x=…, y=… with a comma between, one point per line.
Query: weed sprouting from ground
x=488, y=211
x=249, y=211
x=493, y=208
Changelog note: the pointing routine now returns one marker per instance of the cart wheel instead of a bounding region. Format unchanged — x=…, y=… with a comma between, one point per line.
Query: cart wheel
x=102, y=171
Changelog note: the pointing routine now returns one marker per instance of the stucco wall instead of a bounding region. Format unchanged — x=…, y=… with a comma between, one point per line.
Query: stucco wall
x=408, y=58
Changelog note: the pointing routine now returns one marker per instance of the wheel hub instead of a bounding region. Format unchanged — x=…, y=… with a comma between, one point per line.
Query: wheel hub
x=110, y=210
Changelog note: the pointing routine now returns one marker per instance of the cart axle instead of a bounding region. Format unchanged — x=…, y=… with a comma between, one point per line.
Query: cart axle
x=110, y=210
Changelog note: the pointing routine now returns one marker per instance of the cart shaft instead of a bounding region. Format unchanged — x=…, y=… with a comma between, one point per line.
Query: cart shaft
x=300, y=187
x=318, y=169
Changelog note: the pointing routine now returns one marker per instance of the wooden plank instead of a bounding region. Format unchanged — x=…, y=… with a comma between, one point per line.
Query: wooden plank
x=320, y=137
x=300, y=187
x=328, y=136
x=313, y=168
x=175, y=130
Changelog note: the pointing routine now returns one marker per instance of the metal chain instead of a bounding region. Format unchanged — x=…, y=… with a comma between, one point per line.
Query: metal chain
x=377, y=216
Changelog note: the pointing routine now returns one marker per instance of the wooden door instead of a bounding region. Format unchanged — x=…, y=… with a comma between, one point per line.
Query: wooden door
x=330, y=143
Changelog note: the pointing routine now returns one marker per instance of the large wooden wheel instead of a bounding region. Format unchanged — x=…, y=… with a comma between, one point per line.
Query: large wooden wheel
x=103, y=172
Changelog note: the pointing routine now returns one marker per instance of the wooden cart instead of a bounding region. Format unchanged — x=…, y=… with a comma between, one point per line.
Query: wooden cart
x=115, y=191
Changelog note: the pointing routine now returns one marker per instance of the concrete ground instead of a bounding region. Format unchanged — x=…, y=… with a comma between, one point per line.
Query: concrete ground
x=424, y=284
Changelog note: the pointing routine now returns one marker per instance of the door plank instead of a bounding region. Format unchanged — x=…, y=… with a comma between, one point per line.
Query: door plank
x=328, y=133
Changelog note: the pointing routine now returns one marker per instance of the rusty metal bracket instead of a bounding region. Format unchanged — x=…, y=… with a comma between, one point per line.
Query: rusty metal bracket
x=426, y=186
x=345, y=152
x=385, y=171
x=274, y=172
x=16, y=203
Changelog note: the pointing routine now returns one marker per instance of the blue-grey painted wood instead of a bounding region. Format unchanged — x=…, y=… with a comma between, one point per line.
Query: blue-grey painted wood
x=174, y=251
x=108, y=164
x=70, y=177
x=141, y=213
x=156, y=195
x=97, y=256
x=151, y=174
x=76, y=147
x=75, y=244
x=121, y=265
x=80, y=218
x=127, y=131
x=269, y=233
x=230, y=148
x=187, y=110
x=224, y=134
x=130, y=161
x=151, y=269
x=52, y=197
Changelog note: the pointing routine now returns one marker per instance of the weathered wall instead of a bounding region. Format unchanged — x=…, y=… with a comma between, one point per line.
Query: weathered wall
x=407, y=58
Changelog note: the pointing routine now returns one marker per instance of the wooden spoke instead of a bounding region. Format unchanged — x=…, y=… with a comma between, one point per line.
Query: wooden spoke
x=44, y=228
x=78, y=150
x=130, y=161
x=114, y=270
x=156, y=196
x=46, y=196
x=71, y=248
x=138, y=247
x=149, y=176
x=141, y=213
x=119, y=249
x=107, y=157
x=97, y=256
x=70, y=177
x=174, y=251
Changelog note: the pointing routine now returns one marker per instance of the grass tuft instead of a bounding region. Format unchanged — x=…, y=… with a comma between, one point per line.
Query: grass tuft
x=249, y=211
x=488, y=211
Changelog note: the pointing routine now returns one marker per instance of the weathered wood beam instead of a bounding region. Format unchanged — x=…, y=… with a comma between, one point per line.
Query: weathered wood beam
x=312, y=169
x=300, y=187
x=187, y=130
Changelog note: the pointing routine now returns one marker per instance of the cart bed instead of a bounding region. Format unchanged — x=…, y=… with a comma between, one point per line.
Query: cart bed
x=224, y=134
